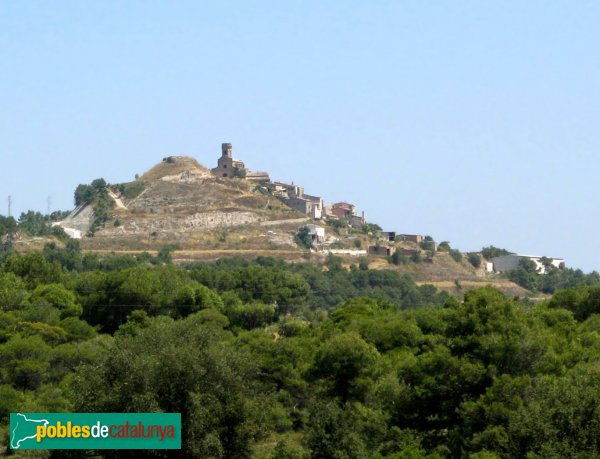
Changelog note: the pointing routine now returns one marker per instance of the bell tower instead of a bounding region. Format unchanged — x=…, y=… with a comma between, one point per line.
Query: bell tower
x=226, y=150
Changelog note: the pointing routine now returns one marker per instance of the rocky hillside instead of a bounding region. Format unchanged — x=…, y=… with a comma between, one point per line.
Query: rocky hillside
x=180, y=202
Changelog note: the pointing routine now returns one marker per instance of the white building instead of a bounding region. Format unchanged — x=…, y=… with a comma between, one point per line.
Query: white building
x=509, y=262
x=317, y=233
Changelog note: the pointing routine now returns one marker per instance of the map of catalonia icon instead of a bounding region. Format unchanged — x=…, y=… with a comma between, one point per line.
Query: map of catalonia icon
x=24, y=430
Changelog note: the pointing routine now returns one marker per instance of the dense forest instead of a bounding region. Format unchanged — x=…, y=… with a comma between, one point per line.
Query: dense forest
x=274, y=360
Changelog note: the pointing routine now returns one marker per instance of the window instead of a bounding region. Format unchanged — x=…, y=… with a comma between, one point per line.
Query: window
x=224, y=166
x=224, y=175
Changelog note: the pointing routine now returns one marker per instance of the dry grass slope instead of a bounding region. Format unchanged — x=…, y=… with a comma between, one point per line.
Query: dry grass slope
x=180, y=202
x=177, y=165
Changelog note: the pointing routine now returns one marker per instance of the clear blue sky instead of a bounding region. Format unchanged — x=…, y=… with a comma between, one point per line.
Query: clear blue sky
x=475, y=122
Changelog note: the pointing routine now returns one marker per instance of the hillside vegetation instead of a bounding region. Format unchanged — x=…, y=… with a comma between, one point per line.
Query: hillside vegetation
x=311, y=361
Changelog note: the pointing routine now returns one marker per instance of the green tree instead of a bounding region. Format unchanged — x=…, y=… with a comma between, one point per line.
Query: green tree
x=548, y=416
x=344, y=362
x=490, y=252
x=428, y=244
x=165, y=253
x=250, y=316
x=179, y=366
x=8, y=225
x=416, y=257
x=13, y=291
x=582, y=301
x=34, y=269
x=455, y=255
x=398, y=258
x=303, y=237
x=474, y=259
x=58, y=296
x=34, y=223
x=83, y=194
x=526, y=275
x=239, y=172
x=25, y=362
x=444, y=246
x=331, y=433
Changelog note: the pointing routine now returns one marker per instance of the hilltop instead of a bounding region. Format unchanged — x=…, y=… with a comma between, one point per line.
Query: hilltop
x=179, y=202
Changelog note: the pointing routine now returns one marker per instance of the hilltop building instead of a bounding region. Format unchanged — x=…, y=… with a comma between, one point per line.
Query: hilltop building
x=316, y=233
x=389, y=236
x=381, y=250
x=509, y=262
x=228, y=166
x=293, y=196
x=348, y=212
x=415, y=238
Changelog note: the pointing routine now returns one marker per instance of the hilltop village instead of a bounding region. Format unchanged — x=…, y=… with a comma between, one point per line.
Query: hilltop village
x=314, y=207
x=291, y=194
x=196, y=213
x=341, y=215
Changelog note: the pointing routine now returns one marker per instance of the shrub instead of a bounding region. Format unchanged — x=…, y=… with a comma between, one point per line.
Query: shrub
x=456, y=255
x=474, y=259
x=444, y=246
x=416, y=257
x=239, y=173
x=491, y=252
x=303, y=238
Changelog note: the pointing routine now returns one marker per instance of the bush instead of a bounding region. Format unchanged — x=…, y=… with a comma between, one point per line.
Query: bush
x=456, y=255
x=444, y=246
x=303, y=238
x=8, y=225
x=491, y=252
x=398, y=258
x=337, y=225
x=474, y=259
x=416, y=257
x=239, y=173
x=428, y=246
x=132, y=190
x=250, y=316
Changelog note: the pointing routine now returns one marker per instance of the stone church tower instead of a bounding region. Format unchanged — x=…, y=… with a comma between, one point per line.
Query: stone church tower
x=226, y=165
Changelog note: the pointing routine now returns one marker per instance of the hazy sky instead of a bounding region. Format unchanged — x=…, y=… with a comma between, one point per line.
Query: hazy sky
x=475, y=122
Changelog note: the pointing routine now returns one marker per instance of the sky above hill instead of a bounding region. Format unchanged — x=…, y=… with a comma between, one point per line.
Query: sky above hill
x=475, y=122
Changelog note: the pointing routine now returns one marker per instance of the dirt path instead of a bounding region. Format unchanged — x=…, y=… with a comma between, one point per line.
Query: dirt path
x=117, y=200
x=192, y=252
x=283, y=222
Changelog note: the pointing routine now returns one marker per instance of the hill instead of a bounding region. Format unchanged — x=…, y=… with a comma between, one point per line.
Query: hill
x=180, y=204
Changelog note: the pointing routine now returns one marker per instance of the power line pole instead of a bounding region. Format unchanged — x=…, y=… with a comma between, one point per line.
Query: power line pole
x=49, y=204
x=9, y=204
